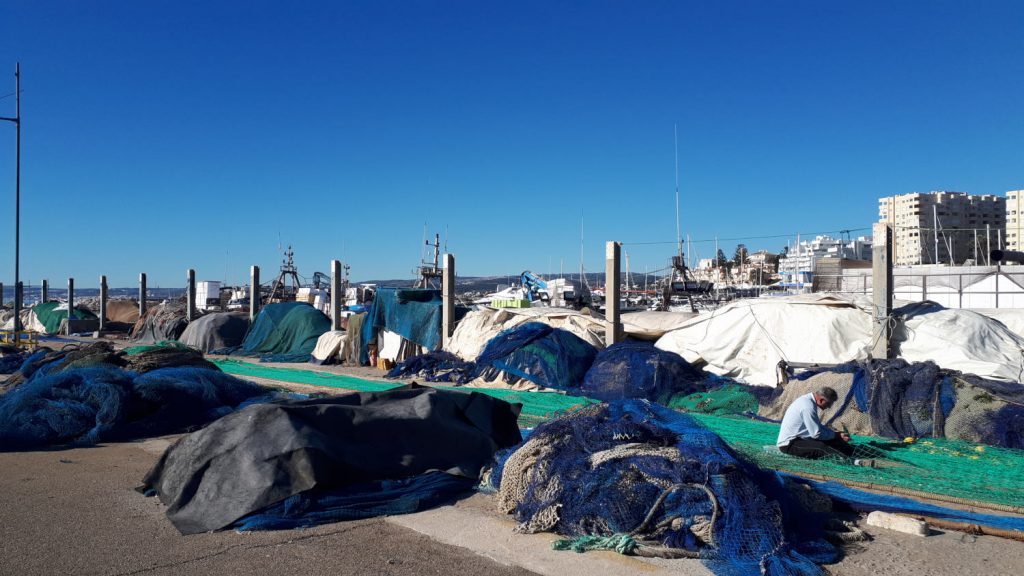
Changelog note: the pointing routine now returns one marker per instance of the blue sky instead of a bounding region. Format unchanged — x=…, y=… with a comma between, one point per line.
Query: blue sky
x=165, y=135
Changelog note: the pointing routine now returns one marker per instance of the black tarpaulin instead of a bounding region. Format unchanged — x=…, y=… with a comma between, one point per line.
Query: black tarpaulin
x=265, y=453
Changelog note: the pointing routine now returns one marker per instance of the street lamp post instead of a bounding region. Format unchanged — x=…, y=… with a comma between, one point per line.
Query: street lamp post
x=17, y=203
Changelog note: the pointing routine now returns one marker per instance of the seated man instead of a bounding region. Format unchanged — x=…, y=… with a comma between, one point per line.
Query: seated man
x=802, y=433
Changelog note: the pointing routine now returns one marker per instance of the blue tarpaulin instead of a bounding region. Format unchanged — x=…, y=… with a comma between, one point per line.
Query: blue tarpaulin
x=412, y=313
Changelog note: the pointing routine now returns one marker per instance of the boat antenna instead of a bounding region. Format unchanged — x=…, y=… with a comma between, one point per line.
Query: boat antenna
x=582, y=281
x=679, y=236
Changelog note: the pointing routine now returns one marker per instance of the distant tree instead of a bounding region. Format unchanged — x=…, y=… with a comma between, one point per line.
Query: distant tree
x=784, y=252
x=741, y=255
x=720, y=258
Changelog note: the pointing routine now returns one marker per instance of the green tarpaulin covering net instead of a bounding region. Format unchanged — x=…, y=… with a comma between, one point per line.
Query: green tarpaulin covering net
x=50, y=317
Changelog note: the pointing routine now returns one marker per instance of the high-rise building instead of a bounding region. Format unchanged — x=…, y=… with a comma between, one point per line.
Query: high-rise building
x=942, y=227
x=1014, y=227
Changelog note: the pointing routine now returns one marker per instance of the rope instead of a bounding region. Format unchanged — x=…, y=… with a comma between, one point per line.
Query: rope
x=621, y=543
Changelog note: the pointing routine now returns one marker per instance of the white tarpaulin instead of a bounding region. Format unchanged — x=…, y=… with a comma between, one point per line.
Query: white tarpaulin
x=746, y=339
x=962, y=340
x=328, y=346
x=648, y=325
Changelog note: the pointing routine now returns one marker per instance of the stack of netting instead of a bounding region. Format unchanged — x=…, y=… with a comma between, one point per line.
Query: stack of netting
x=896, y=399
x=11, y=359
x=84, y=395
x=439, y=366
x=639, y=478
x=165, y=321
x=164, y=354
x=636, y=369
x=535, y=352
x=283, y=332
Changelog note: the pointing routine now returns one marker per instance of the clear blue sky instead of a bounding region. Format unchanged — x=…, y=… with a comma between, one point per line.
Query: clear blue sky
x=162, y=135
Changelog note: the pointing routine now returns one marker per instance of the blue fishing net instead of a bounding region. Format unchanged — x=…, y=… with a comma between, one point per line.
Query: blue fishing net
x=364, y=500
x=83, y=406
x=439, y=366
x=643, y=479
x=899, y=399
x=546, y=356
x=637, y=369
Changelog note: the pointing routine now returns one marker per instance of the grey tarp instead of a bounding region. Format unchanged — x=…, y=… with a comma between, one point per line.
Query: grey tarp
x=215, y=331
x=267, y=452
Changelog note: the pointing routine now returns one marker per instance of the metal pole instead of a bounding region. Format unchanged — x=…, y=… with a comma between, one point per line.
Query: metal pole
x=254, y=293
x=190, y=309
x=988, y=244
x=44, y=296
x=71, y=303
x=881, y=289
x=448, y=299
x=103, y=303
x=142, y=294
x=17, y=202
x=336, y=296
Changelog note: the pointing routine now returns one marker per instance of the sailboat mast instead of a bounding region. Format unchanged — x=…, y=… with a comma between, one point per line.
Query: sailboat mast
x=679, y=236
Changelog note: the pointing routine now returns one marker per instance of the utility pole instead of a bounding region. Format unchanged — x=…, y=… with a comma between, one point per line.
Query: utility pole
x=17, y=201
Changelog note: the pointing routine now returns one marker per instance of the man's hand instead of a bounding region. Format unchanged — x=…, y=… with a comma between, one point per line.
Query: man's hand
x=844, y=436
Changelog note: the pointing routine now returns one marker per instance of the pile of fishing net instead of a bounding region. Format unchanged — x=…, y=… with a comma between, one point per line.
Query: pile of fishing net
x=636, y=369
x=165, y=321
x=897, y=399
x=529, y=355
x=288, y=464
x=639, y=478
x=439, y=366
x=83, y=395
x=282, y=332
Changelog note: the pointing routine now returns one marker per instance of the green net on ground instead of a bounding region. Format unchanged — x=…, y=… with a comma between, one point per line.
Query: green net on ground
x=728, y=399
x=310, y=377
x=537, y=406
x=950, y=469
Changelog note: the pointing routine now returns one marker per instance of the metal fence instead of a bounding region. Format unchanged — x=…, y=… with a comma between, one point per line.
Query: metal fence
x=953, y=287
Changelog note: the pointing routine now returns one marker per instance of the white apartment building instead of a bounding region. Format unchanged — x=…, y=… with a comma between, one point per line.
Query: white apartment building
x=797, y=266
x=1012, y=240
x=941, y=227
